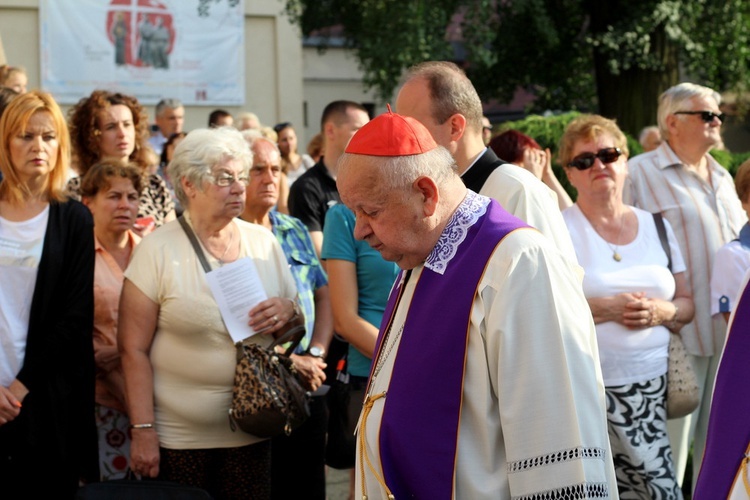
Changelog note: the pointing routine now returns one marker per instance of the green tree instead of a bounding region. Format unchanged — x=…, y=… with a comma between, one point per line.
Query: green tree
x=610, y=56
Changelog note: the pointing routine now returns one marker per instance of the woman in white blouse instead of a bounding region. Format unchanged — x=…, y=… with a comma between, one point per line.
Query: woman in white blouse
x=635, y=299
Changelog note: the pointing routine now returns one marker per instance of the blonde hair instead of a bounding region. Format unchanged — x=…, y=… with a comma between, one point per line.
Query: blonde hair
x=587, y=127
x=13, y=122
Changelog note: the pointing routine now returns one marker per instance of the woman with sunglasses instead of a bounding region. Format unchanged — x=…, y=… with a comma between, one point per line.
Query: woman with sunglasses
x=636, y=299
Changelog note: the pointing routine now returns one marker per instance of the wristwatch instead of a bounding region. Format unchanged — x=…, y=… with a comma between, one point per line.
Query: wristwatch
x=316, y=352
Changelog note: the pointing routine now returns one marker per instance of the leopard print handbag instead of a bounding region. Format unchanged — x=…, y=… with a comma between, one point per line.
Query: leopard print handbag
x=268, y=398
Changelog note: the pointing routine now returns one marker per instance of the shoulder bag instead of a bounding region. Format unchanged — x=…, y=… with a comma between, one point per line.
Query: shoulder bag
x=268, y=398
x=682, y=385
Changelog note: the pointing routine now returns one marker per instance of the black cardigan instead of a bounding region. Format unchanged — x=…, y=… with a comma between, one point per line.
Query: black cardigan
x=56, y=427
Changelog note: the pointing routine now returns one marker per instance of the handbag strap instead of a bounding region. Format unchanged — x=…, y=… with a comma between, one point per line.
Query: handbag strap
x=293, y=335
x=194, y=241
x=662, y=231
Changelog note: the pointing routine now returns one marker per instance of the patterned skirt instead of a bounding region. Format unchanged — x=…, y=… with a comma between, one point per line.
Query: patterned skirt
x=637, y=424
x=113, y=428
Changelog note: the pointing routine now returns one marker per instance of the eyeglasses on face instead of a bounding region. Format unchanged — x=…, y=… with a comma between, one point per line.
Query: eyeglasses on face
x=706, y=116
x=225, y=180
x=585, y=161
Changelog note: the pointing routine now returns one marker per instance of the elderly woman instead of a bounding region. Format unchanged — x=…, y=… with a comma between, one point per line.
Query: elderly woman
x=635, y=299
x=46, y=306
x=115, y=126
x=520, y=149
x=111, y=192
x=177, y=355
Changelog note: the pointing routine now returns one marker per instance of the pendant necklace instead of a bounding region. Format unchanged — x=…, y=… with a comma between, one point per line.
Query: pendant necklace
x=615, y=254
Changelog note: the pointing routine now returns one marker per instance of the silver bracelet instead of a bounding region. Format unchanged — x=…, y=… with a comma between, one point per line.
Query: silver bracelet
x=142, y=426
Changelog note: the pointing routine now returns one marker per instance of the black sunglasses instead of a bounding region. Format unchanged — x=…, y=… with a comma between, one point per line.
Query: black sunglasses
x=706, y=116
x=585, y=161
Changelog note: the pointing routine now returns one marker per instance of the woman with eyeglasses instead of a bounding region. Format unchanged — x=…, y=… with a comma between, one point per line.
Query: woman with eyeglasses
x=636, y=299
x=177, y=356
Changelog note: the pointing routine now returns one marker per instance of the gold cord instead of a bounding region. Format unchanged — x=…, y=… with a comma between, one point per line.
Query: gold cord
x=367, y=407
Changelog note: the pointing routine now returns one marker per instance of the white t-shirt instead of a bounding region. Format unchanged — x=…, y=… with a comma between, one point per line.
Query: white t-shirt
x=20, y=252
x=627, y=355
x=730, y=265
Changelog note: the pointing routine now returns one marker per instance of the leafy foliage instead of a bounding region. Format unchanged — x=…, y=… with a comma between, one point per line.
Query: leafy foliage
x=387, y=35
x=572, y=54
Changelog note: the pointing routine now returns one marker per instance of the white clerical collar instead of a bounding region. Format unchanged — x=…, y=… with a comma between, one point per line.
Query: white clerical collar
x=468, y=212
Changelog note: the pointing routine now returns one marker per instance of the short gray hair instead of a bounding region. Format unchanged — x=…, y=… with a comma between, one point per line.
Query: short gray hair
x=165, y=104
x=200, y=151
x=399, y=172
x=673, y=99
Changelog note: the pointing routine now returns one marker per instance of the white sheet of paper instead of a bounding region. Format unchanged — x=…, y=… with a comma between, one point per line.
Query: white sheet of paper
x=237, y=288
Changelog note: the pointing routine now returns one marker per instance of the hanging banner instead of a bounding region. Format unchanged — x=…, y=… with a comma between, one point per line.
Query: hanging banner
x=192, y=50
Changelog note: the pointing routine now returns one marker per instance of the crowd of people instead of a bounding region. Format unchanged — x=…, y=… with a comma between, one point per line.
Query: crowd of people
x=471, y=330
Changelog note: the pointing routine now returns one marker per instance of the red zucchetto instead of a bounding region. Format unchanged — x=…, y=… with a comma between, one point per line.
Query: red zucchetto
x=391, y=134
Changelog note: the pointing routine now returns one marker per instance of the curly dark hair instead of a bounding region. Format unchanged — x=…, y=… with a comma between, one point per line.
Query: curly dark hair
x=84, y=127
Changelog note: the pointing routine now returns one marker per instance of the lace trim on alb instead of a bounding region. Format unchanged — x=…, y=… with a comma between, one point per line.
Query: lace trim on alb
x=552, y=458
x=575, y=492
x=468, y=212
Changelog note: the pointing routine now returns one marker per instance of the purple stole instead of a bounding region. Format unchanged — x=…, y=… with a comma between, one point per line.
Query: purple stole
x=419, y=428
x=729, y=424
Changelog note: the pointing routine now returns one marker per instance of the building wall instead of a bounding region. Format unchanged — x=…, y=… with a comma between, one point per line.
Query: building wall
x=274, y=84
x=284, y=82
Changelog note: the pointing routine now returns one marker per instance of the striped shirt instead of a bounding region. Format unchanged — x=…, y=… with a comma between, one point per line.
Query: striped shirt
x=704, y=217
x=304, y=264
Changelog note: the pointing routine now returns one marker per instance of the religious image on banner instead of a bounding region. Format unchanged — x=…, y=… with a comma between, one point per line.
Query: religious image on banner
x=153, y=41
x=151, y=49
